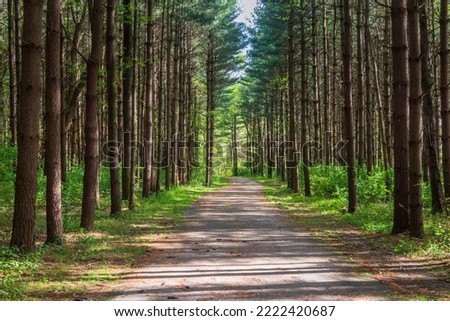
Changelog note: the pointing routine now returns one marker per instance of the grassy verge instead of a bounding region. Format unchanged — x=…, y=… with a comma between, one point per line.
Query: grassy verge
x=364, y=238
x=88, y=260
x=372, y=217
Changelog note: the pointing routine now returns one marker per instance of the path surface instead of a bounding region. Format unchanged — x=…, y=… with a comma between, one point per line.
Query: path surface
x=235, y=245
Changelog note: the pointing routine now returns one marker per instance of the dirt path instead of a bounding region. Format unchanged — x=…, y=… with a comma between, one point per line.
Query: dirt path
x=236, y=246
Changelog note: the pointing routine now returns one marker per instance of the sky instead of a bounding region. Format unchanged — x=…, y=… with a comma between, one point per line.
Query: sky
x=247, y=6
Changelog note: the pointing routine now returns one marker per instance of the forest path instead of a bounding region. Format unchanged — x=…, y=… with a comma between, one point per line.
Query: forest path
x=235, y=245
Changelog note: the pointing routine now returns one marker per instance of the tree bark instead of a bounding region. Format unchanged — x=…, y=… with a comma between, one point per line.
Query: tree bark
x=91, y=155
x=429, y=112
x=127, y=75
x=12, y=76
x=326, y=88
x=52, y=120
x=360, y=86
x=445, y=107
x=293, y=155
x=401, y=115
x=348, y=105
x=304, y=102
x=28, y=129
x=113, y=140
x=368, y=102
x=415, y=112
x=148, y=130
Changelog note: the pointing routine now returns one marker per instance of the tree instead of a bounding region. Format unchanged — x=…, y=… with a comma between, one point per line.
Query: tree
x=91, y=155
x=127, y=77
x=400, y=96
x=148, y=136
x=113, y=148
x=28, y=129
x=293, y=155
x=429, y=113
x=304, y=102
x=348, y=105
x=415, y=112
x=445, y=107
x=12, y=75
x=52, y=117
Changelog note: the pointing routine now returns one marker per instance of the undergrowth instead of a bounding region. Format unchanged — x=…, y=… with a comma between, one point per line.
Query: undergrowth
x=87, y=258
x=375, y=208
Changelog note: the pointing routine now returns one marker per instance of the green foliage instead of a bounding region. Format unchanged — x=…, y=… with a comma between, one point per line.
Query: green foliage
x=374, y=214
x=7, y=176
x=331, y=181
x=86, y=257
x=13, y=267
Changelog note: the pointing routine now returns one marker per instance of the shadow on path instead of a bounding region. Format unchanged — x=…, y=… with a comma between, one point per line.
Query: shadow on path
x=236, y=246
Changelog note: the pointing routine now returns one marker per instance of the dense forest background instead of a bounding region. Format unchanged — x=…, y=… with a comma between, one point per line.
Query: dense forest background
x=106, y=106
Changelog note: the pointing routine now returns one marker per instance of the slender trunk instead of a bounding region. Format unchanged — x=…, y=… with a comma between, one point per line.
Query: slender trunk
x=127, y=75
x=113, y=144
x=12, y=76
x=315, y=82
x=169, y=89
x=326, y=88
x=235, y=146
x=304, y=101
x=293, y=155
x=28, y=129
x=282, y=139
x=209, y=111
x=91, y=154
x=429, y=112
x=368, y=102
x=134, y=95
x=445, y=107
x=148, y=131
x=174, y=104
x=360, y=85
x=18, y=41
x=415, y=119
x=52, y=117
x=348, y=105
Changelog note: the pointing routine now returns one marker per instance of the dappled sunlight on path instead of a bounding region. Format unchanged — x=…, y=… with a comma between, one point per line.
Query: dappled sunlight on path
x=235, y=245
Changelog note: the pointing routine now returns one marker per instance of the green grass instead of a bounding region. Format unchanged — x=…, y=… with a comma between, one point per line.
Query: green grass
x=374, y=214
x=87, y=259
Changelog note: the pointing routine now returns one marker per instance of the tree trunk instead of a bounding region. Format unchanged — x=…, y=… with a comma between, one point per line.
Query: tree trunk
x=445, y=108
x=91, y=155
x=127, y=75
x=360, y=85
x=293, y=155
x=12, y=76
x=28, y=129
x=18, y=41
x=304, y=101
x=431, y=141
x=134, y=95
x=52, y=117
x=326, y=88
x=400, y=98
x=209, y=111
x=348, y=105
x=113, y=141
x=174, y=104
x=148, y=131
x=415, y=118
x=169, y=96
x=368, y=102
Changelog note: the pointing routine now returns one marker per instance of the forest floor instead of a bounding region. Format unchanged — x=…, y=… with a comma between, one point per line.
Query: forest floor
x=236, y=245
